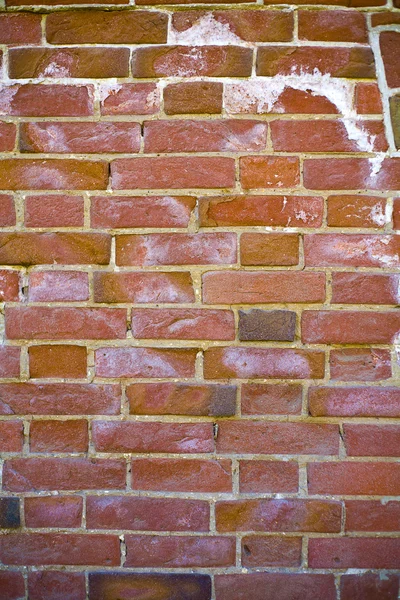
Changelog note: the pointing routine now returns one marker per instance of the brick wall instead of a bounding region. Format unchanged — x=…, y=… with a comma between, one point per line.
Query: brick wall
x=199, y=277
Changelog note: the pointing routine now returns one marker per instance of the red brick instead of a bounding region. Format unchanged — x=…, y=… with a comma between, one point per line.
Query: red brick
x=354, y=478
x=192, y=61
x=145, y=362
x=8, y=133
x=62, y=2
x=182, y=475
x=109, y=436
x=262, y=551
x=372, y=440
x=80, y=138
x=201, y=97
x=44, y=323
x=356, y=211
x=173, y=172
x=58, y=286
x=293, y=514
x=38, y=100
x=250, y=26
x=351, y=174
x=142, y=287
x=322, y=136
x=58, y=361
x=53, y=511
x=12, y=585
x=360, y=364
x=266, y=477
x=181, y=399
x=179, y=551
x=141, y=211
x=9, y=361
x=20, y=29
x=367, y=98
x=11, y=436
x=372, y=515
x=386, y=18
x=278, y=211
x=279, y=586
x=358, y=553
x=101, y=27
x=352, y=250
x=365, y=288
x=129, y=99
x=56, y=585
x=59, y=436
x=176, y=249
x=9, y=285
x=53, y=174
x=229, y=135
x=390, y=46
x=349, y=327
x=54, y=211
x=147, y=514
x=59, y=399
x=270, y=399
x=355, y=401
x=7, y=210
x=96, y=63
x=122, y=585
x=33, y=474
x=261, y=363
x=269, y=171
x=256, y=287
x=332, y=26
x=349, y=3
x=59, y=549
x=369, y=586
x=276, y=249
x=257, y=437
x=182, y=324
x=349, y=62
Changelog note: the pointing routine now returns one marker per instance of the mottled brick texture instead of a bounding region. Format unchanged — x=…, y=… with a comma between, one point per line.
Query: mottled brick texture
x=199, y=291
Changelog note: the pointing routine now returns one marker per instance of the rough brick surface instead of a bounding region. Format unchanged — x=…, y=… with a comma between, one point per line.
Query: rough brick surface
x=199, y=291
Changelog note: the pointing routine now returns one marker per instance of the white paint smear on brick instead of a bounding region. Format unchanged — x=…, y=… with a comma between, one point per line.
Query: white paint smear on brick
x=205, y=31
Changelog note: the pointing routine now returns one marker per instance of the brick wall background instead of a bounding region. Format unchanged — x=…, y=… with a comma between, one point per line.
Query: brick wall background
x=199, y=277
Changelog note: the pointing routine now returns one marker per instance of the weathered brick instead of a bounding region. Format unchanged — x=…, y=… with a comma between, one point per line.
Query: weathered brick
x=54, y=211
x=18, y=28
x=246, y=211
x=396, y=213
x=201, y=97
x=117, y=585
x=275, y=249
x=65, y=361
x=181, y=399
x=354, y=478
x=192, y=61
x=129, y=99
x=176, y=248
x=354, y=401
x=372, y=515
x=36, y=100
x=59, y=399
x=80, y=138
x=53, y=174
x=32, y=474
x=9, y=513
x=58, y=286
x=263, y=551
x=367, y=99
x=365, y=288
x=145, y=362
x=9, y=361
x=256, y=287
x=293, y=514
x=182, y=323
x=56, y=585
x=147, y=514
x=9, y=285
x=59, y=436
x=352, y=250
x=182, y=475
x=351, y=174
x=390, y=44
x=12, y=585
x=11, y=436
x=360, y=364
x=267, y=325
x=205, y=136
x=58, y=323
x=141, y=211
x=101, y=27
x=358, y=553
x=395, y=117
x=279, y=586
x=145, y=437
x=269, y=172
x=172, y=172
x=94, y=63
x=8, y=133
x=369, y=586
x=53, y=511
x=266, y=477
x=333, y=26
x=7, y=210
x=371, y=440
x=356, y=211
x=270, y=399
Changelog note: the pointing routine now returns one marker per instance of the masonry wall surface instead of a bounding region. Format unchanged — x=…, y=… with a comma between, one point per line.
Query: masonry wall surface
x=200, y=249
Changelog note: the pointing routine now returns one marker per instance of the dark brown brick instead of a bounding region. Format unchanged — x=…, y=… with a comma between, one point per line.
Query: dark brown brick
x=9, y=513
x=267, y=325
x=110, y=586
x=395, y=116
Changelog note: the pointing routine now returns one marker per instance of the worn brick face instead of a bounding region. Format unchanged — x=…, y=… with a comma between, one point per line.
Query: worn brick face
x=199, y=290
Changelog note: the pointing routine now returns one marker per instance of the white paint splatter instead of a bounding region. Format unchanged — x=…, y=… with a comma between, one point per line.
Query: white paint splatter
x=377, y=215
x=109, y=89
x=7, y=94
x=205, y=31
